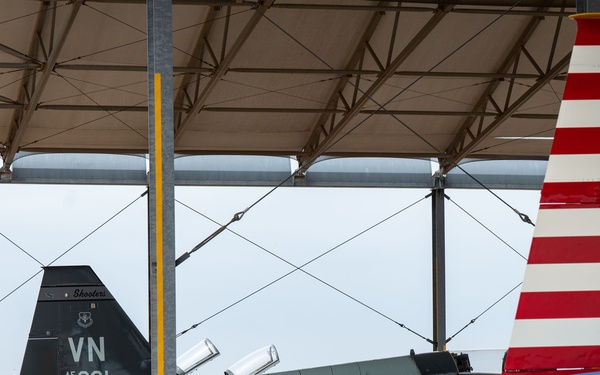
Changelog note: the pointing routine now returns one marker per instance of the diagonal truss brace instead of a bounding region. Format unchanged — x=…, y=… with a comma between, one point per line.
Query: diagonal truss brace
x=319, y=145
x=195, y=64
x=223, y=67
x=336, y=95
x=15, y=53
x=481, y=134
x=21, y=126
x=486, y=96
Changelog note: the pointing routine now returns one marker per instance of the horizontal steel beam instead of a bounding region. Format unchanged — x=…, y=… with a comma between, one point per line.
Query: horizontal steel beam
x=284, y=153
x=129, y=68
x=330, y=72
x=272, y=110
x=510, y=4
x=374, y=8
x=23, y=66
x=103, y=108
x=367, y=72
x=122, y=169
x=10, y=105
x=118, y=108
x=539, y=116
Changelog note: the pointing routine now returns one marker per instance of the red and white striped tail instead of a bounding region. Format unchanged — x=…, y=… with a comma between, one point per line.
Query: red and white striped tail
x=557, y=325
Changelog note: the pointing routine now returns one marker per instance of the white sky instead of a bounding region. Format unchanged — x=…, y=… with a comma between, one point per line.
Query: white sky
x=388, y=268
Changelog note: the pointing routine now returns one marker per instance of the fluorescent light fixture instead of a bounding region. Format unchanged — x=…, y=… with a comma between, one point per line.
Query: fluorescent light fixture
x=255, y=363
x=200, y=353
x=527, y=138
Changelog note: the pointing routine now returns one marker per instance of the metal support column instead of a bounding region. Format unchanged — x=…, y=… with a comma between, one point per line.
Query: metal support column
x=588, y=6
x=161, y=211
x=439, y=263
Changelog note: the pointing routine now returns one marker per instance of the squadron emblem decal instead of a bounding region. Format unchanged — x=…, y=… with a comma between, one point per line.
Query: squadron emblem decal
x=85, y=319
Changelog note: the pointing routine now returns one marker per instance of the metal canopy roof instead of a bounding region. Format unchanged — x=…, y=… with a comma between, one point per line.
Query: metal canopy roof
x=349, y=78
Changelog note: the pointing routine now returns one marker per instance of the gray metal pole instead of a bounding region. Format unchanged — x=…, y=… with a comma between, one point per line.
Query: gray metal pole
x=439, y=264
x=588, y=6
x=161, y=209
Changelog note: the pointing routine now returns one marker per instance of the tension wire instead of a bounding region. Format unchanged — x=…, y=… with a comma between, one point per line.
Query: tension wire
x=484, y=311
x=486, y=228
x=23, y=250
x=300, y=268
x=75, y=245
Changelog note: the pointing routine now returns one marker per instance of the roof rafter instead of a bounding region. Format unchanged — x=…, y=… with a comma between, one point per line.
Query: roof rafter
x=15, y=53
x=194, y=61
x=463, y=152
x=320, y=141
x=222, y=68
x=465, y=131
x=22, y=121
x=341, y=84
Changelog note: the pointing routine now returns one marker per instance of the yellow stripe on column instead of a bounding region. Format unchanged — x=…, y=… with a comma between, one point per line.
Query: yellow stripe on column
x=159, y=222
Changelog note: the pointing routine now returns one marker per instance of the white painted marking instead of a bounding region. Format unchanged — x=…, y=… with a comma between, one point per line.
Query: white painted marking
x=585, y=59
x=578, y=114
x=555, y=332
x=561, y=277
x=76, y=352
x=573, y=168
x=567, y=222
x=93, y=348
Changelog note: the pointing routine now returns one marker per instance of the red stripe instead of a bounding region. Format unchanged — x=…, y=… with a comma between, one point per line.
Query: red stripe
x=588, y=32
x=544, y=360
x=546, y=250
x=554, y=372
x=559, y=305
x=568, y=205
x=582, y=86
x=571, y=192
x=576, y=141
x=548, y=358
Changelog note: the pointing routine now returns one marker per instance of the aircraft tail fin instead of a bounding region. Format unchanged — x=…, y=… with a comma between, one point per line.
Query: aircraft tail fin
x=78, y=328
x=557, y=325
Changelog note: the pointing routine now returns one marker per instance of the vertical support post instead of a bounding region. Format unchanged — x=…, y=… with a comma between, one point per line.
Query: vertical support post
x=438, y=263
x=161, y=212
x=588, y=6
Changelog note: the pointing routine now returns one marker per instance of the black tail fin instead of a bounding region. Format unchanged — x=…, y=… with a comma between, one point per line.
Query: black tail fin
x=79, y=329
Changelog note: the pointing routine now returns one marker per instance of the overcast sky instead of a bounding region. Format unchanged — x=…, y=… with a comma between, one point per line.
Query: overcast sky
x=388, y=268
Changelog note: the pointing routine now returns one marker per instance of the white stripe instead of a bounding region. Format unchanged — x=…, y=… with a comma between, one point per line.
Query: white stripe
x=585, y=59
x=555, y=332
x=561, y=277
x=573, y=168
x=578, y=114
x=566, y=222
